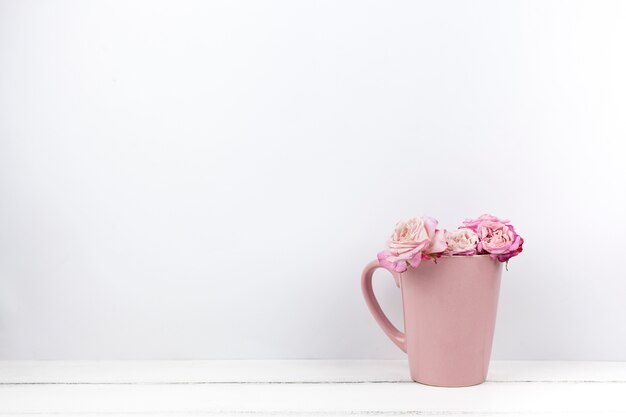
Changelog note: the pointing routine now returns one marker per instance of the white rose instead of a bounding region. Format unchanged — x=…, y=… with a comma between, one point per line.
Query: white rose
x=461, y=242
x=411, y=240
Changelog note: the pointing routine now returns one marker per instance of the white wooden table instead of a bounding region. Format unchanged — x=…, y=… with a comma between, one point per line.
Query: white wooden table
x=309, y=388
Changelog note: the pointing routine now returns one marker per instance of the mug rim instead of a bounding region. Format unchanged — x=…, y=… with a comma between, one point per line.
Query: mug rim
x=464, y=256
x=483, y=255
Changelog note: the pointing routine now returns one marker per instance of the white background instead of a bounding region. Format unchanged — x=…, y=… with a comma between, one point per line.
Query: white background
x=207, y=179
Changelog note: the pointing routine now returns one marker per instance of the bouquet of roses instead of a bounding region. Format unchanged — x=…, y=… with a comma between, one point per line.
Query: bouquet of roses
x=418, y=239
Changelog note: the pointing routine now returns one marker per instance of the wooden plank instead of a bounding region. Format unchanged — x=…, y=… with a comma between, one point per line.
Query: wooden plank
x=202, y=371
x=550, y=371
x=345, y=398
x=12, y=372
x=118, y=388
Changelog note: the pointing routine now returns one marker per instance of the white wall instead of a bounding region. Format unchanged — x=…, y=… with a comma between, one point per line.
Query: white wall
x=207, y=179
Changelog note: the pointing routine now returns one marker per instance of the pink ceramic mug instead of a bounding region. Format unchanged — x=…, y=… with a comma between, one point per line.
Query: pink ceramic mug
x=449, y=317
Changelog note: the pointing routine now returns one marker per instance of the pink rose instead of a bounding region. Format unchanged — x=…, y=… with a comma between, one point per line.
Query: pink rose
x=461, y=242
x=473, y=223
x=412, y=240
x=496, y=237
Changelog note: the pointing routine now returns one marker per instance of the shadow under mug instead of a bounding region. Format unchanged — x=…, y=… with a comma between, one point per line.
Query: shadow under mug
x=449, y=317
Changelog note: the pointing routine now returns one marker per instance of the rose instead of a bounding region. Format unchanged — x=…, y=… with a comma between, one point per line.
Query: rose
x=473, y=223
x=495, y=237
x=412, y=240
x=461, y=242
x=437, y=239
x=405, y=245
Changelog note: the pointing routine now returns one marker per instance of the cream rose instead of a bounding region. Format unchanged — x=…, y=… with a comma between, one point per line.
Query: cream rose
x=412, y=240
x=461, y=242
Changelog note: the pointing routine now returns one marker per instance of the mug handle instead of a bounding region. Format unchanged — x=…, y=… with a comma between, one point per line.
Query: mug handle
x=390, y=330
